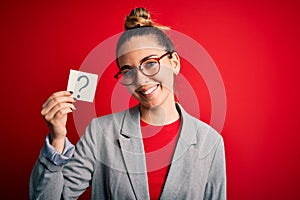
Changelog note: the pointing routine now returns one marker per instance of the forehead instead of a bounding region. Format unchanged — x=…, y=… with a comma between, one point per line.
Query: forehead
x=139, y=43
x=134, y=57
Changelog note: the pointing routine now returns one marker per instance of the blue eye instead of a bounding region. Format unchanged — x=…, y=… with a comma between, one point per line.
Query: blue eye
x=150, y=63
x=128, y=73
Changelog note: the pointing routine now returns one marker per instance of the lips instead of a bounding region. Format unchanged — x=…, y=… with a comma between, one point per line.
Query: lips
x=147, y=92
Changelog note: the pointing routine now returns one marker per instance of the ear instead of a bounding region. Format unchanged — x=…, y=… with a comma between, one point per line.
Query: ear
x=175, y=61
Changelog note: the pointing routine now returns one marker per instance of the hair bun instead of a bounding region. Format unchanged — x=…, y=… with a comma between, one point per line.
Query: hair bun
x=141, y=17
x=140, y=12
x=138, y=17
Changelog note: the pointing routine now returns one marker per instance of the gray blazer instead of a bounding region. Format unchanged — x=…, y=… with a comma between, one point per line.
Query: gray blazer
x=110, y=157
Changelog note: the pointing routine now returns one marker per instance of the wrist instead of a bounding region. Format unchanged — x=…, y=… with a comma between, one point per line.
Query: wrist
x=58, y=143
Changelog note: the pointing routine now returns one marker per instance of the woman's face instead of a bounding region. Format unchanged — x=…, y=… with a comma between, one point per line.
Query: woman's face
x=151, y=91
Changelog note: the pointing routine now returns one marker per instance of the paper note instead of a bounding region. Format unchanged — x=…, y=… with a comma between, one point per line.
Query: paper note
x=83, y=85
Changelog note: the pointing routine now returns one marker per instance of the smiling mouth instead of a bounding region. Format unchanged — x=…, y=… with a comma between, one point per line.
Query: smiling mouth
x=148, y=92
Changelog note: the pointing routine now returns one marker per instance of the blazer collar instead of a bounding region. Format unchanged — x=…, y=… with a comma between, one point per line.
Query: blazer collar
x=179, y=166
x=132, y=148
x=131, y=123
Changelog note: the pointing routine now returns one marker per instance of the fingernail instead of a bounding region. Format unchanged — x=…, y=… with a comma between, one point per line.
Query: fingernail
x=75, y=99
x=74, y=107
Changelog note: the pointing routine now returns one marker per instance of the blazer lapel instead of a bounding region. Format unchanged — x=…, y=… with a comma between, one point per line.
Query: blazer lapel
x=132, y=148
x=180, y=163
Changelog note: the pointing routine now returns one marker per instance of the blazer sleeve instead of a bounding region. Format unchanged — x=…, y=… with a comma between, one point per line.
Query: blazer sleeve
x=216, y=185
x=69, y=181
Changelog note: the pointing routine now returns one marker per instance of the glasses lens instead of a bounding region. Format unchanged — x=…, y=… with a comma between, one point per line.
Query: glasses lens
x=127, y=76
x=150, y=67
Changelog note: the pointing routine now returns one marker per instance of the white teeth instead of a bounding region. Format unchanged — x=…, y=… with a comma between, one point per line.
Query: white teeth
x=150, y=90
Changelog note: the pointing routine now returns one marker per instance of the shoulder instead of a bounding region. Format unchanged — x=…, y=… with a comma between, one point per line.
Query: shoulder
x=105, y=129
x=195, y=124
x=114, y=119
x=200, y=133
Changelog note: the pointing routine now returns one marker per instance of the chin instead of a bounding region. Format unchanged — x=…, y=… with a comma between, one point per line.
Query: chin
x=152, y=104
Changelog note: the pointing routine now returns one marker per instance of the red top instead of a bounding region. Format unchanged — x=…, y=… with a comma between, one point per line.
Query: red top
x=159, y=145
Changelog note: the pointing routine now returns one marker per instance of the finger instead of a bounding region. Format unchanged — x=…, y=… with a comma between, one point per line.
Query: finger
x=56, y=95
x=62, y=112
x=57, y=108
x=51, y=114
x=55, y=101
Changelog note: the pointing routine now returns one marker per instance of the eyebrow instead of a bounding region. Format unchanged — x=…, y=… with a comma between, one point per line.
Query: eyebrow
x=142, y=60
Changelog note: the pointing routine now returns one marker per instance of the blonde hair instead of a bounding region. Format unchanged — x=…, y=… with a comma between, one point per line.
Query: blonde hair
x=140, y=17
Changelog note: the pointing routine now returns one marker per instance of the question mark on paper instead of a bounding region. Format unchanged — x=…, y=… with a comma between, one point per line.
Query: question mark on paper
x=85, y=85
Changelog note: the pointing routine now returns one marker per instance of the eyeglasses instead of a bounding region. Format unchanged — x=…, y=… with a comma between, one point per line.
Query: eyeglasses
x=149, y=66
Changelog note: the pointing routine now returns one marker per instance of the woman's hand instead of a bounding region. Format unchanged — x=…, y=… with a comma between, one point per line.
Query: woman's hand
x=55, y=112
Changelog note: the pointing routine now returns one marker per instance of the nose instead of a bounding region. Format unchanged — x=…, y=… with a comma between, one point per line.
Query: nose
x=141, y=78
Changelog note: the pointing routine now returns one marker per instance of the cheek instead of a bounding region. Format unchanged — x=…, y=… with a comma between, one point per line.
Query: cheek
x=165, y=77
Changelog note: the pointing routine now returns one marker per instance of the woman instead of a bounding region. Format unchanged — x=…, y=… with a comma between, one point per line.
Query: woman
x=154, y=150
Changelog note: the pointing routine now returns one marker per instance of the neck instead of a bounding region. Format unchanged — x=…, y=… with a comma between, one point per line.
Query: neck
x=160, y=115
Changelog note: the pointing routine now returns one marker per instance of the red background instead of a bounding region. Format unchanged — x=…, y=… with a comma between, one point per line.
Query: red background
x=255, y=45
